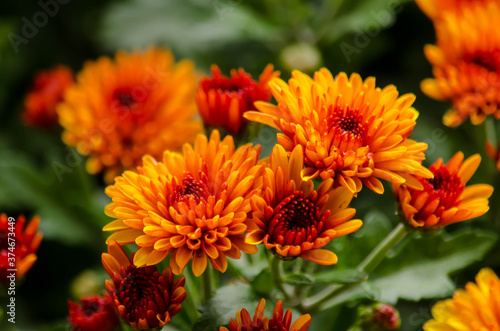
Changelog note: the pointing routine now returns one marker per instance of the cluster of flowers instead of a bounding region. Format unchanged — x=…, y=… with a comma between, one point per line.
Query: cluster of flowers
x=466, y=67
x=181, y=195
x=465, y=60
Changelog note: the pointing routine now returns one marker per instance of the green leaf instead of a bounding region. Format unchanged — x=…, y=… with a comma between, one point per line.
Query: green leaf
x=343, y=276
x=192, y=28
x=263, y=282
x=224, y=305
x=298, y=279
x=420, y=269
x=366, y=17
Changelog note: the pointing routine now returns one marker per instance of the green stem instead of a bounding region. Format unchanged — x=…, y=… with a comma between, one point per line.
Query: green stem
x=276, y=266
x=369, y=264
x=380, y=252
x=207, y=284
x=491, y=134
x=192, y=300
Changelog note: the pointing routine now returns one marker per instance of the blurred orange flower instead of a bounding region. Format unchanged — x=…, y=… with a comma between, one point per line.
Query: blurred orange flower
x=136, y=104
x=466, y=63
x=18, y=252
x=350, y=130
x=46, y=93
x=192, y=205
x=295, y=220
x=144, y=298
x=445, y=199
x=435, y=9
x=475, y=308
x=222, y=100
x=278, y=322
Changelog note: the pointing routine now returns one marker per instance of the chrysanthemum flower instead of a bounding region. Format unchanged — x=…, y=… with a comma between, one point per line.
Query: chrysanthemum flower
x=350, y=131
x=144, y=298
x=475, y=308
x=192, y=205
x=18, y=245
x=293, y=219
x=466, y=63
x=435, y=9
x=222, y=100
x=445, y=199
x=94, y=313
x=136, y=104
x=278, y=322
x=47, y=91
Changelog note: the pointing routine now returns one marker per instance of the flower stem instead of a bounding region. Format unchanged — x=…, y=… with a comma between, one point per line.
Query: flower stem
x=369, y=264
x=491, y=136
x=379, y=253
x=276, y=266
x=207, y=284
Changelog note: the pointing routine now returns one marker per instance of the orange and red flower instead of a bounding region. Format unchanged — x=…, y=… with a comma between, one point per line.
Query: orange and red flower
x=475, y=308
x=45, y=94
x=192, y=205
x=295, y=220
x=19, y=244
x=222, y=100
x=136, y=104
x=94, y=313
x=144, y=298
x=436, y=9
x=445, y=199
x=466, y=63
x=278, y=322
x=349, y=130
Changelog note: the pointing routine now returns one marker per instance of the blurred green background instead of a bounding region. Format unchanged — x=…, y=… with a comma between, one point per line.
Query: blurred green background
x=378, y=38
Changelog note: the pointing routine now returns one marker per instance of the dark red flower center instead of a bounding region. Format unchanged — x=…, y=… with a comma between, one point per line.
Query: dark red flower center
x=234, y=84
x=488, y=60
x=144, y=293
x=296, y=219
x=123, y=97
x=90, y=307
x=444, y=186
x=191, y=188
x=348, y=127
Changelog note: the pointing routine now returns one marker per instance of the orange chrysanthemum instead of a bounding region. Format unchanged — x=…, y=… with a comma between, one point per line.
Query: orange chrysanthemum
x=144, y=298
x=445, y=199
x=350, y=131
x=18, y=245
x=293, y=218
x=136, y=104
x=222, y=100
x=46, y=93
x=278, y=322
x=466, y=64
x=475, y=308
x=192, y=205
x=435, y=9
